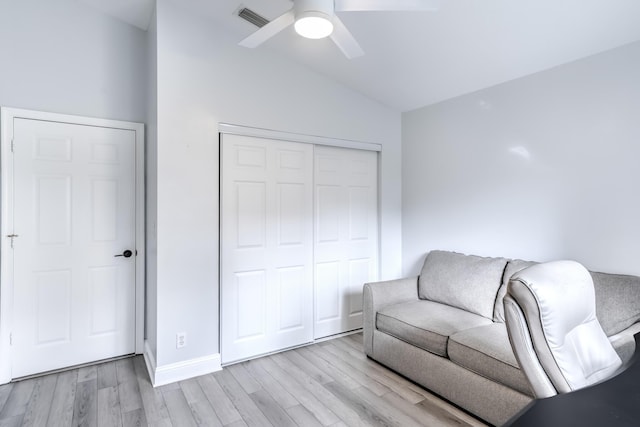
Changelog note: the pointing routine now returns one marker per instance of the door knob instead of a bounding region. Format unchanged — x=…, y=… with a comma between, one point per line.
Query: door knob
x=125, y=254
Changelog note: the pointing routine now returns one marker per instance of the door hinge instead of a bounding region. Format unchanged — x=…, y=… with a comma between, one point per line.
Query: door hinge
x=10, y=338
x=12, y=236
x=12, y=144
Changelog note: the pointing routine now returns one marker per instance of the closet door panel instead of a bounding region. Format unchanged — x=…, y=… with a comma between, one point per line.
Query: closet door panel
x=346, y=236
x=251, y=214
x=328, y=299
x=291, y=299
x=359, y=273
x=266, y=246
x=251, y=307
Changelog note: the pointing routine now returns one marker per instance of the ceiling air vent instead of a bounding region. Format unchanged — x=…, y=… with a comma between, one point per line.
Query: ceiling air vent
x=252, y=17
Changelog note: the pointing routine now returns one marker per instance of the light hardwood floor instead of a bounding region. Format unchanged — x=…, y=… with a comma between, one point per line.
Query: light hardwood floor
x=327, y=384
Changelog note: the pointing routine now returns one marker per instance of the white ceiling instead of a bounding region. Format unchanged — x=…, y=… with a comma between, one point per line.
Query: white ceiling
x=413, y=59
x=134, y=12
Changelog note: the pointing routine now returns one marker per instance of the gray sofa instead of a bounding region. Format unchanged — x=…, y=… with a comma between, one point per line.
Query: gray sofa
x=445, y=329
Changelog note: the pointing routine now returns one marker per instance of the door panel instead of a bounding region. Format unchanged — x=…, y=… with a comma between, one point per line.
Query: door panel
x=251, y=304
x=291, y=206
x=346, y=236
x=327, y=291
x=359, y=274
x=289, y=297
x=53, y=204
x=103, y=300
x=74, y=209
x=104, y=210
x=53, y=306
x=266, y=246
x=251, y=214
x=328, y=213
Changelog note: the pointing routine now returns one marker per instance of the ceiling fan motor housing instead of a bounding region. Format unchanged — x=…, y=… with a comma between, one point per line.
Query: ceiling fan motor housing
x=325, y=7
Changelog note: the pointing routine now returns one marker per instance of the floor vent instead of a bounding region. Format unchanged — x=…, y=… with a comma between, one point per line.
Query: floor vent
x=252, y=17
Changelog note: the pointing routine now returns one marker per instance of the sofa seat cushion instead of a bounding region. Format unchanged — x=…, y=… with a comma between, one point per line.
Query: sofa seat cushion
x=468, y=282
x=486, y=351
x=426, y=324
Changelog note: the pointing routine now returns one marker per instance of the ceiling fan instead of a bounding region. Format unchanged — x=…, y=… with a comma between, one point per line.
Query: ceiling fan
x=316, y=19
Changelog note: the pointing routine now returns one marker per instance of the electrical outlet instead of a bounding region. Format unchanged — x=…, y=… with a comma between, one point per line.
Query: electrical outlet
x=181, y=339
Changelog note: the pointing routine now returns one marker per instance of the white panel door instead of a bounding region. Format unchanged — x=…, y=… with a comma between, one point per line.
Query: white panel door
x=74, y=210
x=346, y=236
x=266, y=246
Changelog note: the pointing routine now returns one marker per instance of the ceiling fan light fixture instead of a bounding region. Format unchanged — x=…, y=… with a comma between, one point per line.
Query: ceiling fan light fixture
x=313, y=25
x=316, y=19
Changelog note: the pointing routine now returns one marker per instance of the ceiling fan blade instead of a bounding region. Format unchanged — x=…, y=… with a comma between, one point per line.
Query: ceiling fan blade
x=386, y=5
x=344, y=40
x=269, y=30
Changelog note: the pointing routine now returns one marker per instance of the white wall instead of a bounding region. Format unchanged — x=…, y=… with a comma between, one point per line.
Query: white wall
x=65, y=57
x=204, y=78
x=540, y=168
x=151, y=174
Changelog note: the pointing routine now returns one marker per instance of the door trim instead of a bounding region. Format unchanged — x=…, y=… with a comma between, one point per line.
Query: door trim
x=226, y=128
x=7, y=117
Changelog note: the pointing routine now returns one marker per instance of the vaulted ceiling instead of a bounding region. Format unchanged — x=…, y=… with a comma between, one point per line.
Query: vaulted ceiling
x=413, y=59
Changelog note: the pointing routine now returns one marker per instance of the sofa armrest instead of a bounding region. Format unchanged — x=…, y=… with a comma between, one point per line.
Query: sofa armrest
x=378, y=295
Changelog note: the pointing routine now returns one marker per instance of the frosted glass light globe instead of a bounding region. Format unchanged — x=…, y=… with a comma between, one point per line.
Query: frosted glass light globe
x=313, y=25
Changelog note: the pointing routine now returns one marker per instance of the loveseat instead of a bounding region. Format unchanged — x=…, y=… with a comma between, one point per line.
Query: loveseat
x=445, y=329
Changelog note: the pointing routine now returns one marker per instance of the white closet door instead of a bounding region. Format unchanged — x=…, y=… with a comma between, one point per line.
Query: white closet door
x=266, y=246
x=346, y=236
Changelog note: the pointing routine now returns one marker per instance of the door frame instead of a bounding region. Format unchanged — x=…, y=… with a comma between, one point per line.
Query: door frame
x=7, y=117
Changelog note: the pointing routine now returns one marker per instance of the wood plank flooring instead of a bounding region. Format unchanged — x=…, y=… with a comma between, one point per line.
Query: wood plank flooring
x=327, y=384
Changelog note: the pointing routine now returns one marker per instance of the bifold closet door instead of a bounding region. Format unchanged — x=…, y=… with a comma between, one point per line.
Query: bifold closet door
x=266, y=246
x=346, y=235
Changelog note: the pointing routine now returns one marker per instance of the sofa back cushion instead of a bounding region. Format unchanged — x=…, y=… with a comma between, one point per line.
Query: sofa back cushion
x=468, y=282
x=513, y=266
x=617, y=301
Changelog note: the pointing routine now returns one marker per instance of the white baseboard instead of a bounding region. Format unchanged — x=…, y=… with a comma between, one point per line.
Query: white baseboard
x=167, y=374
